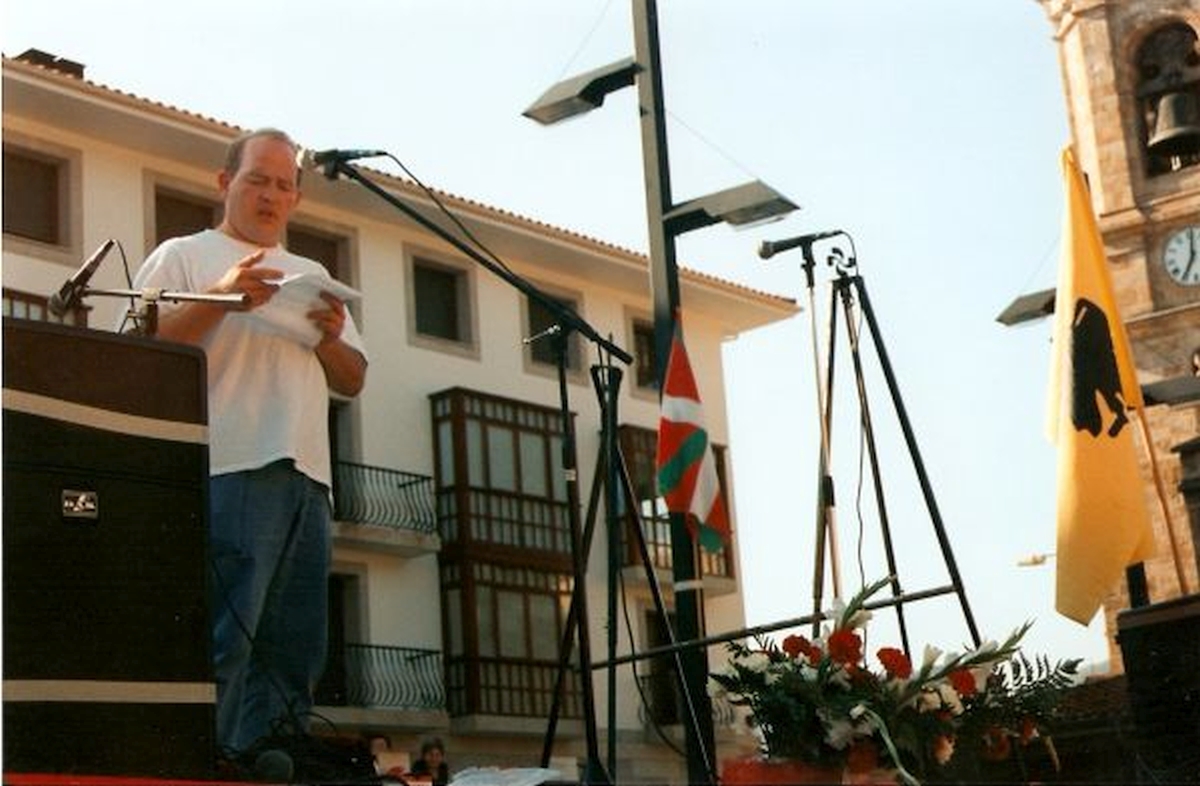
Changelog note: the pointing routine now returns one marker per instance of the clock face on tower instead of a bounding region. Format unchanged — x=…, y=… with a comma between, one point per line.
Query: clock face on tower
x=1181, y=256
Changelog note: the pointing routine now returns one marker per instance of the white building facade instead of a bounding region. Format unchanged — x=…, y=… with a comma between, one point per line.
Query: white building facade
x=452, y=552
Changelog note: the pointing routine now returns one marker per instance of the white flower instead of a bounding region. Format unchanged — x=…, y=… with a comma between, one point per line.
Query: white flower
x=715, y=689
x=837, y=613
x=927, y=701
x=840, y=677
x=989, y=646
x=980, y=675
x=949, y=698
x=931, y=655
x=756, y=661
x=839, y=734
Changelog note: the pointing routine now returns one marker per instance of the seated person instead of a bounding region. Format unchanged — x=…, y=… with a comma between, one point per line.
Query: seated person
x=431, y=767
x=388, y=763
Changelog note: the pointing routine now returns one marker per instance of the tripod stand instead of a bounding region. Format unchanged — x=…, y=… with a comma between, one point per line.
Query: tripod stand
x=612, y=477
x=850, y=290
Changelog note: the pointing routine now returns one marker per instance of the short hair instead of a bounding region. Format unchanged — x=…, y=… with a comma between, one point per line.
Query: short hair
x=429, y=743
x=233, y=155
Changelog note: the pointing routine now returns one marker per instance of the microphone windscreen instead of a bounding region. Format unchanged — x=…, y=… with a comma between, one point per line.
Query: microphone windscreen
x=274, y=766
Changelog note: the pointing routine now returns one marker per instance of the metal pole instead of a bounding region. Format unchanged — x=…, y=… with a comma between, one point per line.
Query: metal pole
x=664, y=286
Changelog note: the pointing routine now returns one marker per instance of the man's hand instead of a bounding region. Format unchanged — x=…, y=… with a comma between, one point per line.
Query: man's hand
x=191, y=323
x=345, y=369
x=329, y=321
x=246, y=278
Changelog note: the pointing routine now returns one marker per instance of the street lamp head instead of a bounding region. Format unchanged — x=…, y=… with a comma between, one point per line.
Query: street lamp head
x=1027, y=308
x=745, y=205
x=582, y=93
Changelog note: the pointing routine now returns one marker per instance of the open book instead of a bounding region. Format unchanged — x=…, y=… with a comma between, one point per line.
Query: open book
x=299, y=293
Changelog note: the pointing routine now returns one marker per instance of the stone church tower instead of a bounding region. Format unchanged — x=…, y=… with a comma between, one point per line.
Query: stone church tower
x=1131, y=78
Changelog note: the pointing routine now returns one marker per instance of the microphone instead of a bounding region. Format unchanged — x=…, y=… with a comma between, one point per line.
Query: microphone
x=328, y=160
x=71, y=293
x=769, y=249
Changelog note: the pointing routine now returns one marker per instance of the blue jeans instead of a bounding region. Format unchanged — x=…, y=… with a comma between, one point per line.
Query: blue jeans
x=270, y=541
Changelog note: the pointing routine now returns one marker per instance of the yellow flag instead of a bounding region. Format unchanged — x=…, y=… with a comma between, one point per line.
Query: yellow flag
x=1103, y=524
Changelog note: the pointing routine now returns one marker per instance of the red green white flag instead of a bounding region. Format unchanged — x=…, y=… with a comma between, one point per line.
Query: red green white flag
x=687, y=470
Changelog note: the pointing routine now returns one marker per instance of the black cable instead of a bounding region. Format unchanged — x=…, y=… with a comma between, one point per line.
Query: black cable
x=453, y=218
x=645, y=702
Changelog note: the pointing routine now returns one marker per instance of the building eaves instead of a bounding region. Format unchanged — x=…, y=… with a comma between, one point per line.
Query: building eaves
x=220, y=129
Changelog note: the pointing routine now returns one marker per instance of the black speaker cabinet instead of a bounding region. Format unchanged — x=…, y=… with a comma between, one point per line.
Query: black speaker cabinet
x=107, y=665
x=1160, y=645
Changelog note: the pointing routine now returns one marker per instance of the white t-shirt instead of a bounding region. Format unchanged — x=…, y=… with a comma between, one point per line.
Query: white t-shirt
x=267, y=394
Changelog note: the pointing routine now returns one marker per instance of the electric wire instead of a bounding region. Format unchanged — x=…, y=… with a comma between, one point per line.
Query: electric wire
x=586, y=39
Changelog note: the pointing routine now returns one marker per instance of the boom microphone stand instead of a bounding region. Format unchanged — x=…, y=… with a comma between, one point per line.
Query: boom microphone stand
x=567, y=322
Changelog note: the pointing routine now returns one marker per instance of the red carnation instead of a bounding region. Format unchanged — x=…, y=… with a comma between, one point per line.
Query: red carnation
x=996, y=744
x=845, y=646
x=795, y=646
x=962, y=681
x=895, y=663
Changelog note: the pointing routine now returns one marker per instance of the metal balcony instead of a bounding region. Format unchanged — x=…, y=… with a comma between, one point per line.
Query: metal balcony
x=384, y=509
x=401, y=678
x=662, y=703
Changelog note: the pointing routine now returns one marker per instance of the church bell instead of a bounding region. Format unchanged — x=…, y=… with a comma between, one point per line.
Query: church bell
x=1176, y=125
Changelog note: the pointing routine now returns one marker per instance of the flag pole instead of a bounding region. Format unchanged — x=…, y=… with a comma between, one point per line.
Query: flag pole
x=1162, y=502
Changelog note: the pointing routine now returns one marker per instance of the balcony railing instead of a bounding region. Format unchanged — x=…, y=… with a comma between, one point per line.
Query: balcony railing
x=383, y=497
x=363, y=675
x=716, y=564
x=510, y=686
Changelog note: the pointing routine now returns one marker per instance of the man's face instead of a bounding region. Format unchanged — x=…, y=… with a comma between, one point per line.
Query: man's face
x=260, y=196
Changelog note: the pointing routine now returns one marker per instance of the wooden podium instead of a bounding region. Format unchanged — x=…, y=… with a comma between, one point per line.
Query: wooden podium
x=107, y=664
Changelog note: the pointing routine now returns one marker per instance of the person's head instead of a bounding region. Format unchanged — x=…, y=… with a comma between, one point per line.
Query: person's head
x=433, y=752
x=378, y=743
x=260, y=185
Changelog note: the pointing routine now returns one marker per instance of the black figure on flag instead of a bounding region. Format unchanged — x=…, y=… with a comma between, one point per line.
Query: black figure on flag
x=1096, y=372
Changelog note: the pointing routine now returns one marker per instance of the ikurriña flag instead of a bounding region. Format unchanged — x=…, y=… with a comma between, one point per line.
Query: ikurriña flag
x=687, y=471
x=1103, y=523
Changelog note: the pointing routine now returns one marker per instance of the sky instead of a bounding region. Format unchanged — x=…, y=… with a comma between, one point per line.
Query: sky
x=928, y=130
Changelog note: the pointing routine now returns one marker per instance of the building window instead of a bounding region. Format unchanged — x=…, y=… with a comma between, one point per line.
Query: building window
x=1168, y=93
x=639, y=445
x=539, y=320
x=506, y=557
x=177, y=214
x=440, y=305
x=22, y=305
x=506, y=660
x=328, y=248
x=36, y=189
x=645, y=357
x=499, y=479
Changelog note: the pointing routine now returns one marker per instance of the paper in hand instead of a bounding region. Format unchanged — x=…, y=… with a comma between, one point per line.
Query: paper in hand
x=299, y=293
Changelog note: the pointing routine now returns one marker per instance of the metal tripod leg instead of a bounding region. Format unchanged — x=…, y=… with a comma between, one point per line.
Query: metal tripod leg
x=918, y=464
x=612, y=475
x=846, y=287
x=842, y=287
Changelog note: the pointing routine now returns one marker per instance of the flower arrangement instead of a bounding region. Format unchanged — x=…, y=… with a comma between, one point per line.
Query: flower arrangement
x=820, y=702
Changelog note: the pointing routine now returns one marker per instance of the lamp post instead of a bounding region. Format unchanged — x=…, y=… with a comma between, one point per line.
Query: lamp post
x=748, y=203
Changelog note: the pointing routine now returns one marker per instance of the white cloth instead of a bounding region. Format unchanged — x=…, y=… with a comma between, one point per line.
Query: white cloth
x=267, y=395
